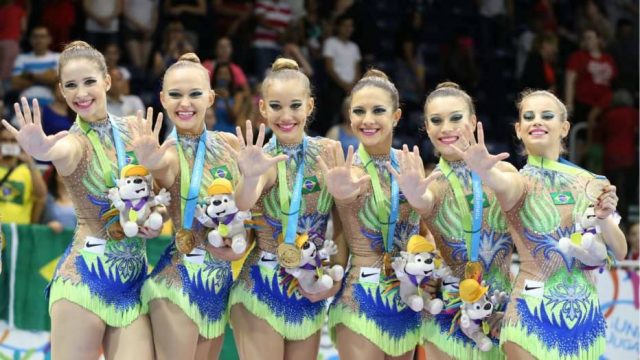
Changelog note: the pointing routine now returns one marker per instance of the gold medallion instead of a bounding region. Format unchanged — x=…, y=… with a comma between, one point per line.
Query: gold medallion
x=289, y=256
x=185, y=241
x=387, y=269
x=594, y=189
x=473, y=270
x=223, y=230
x=115, y=231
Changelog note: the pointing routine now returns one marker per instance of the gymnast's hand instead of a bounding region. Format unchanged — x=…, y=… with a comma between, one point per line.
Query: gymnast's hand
x=340, y=180
x=253, y=162
x=31, y=137
x=321, y=295
x=476, y=155
x=411, y=179
x=146, y=144
x=607, y=202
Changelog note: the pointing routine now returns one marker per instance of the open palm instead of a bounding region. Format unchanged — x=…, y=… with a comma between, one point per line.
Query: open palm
x=252, y=160
x=31, y=137
x=411, y=179
x=146, y=144
x=476, y=155
x=340, y=180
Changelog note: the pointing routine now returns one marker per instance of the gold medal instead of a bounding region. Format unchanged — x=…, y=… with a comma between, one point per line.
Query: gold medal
x=185, y=241
x=223, y=230
x=473, y=270
x=115, y=231
x=289, y=256
x=594, y=189
x=386, y=264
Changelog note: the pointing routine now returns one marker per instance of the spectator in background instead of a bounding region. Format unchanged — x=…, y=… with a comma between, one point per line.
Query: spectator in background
x=342, y=63
x=22, y=189
x=272, y=18
x=409, y=71
x=619, y=131
x=539, y=71
x=343, y=132
x=34, y=73
x=295, y=47
x=229, y=99
x=112, y=55
x=588, y=81
x=59, y=16
x=140, y=21
x=102, y=24
x=624, y=50
x=118, y=102
x=56, y=115
x=590, y=16
x=192, y=14
x=224, y=52
x=13, y=24
x=633, y=241
x=233, y=20
x=59, y=213
x=174, y=44
x=460, y=62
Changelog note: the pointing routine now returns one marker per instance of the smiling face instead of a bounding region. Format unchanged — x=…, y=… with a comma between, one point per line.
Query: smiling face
x=186, y=95
x=373, y=118
x=445, y=118
x=542, y=126
x=85, y=87
x=286, y=106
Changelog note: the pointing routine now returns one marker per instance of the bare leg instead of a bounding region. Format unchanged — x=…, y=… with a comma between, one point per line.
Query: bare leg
x=134, y=342
x=175, y=335
x=406, y=356
x=209, y=349
x=353, y=346
x=433, y=353
x=303, y=349
x=515, y=351
x=76, y=333
x=255, y=338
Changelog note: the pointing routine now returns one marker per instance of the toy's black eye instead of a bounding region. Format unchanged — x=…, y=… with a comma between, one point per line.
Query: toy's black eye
x=225, y=200
x=419, y=259
x=477, y=307
x=306, y=246
x=428, y=261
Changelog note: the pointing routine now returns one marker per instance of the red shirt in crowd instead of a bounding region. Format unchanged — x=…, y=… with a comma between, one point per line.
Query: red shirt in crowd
x=59, y=17
x=594, y=75
x=619, y=133
x=11, y=24
x=239, y=78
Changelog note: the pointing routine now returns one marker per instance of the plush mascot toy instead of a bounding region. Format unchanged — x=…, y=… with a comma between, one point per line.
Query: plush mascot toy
x=221, y=214
x=414, y=268
x=476, y=308
x=135, y=201
x=312, y=275
x=586, y=244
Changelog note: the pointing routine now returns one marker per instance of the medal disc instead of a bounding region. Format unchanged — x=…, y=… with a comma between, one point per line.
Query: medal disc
x=185, y=241
x=289, y=256
x=594, y=189
x=473, y=270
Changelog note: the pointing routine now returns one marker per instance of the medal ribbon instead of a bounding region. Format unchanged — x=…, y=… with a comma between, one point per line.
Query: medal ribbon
x=190, y=182
x=562, y=165
x=471, y=225
x=386, y=217
x=98, y=149
x=289, y=210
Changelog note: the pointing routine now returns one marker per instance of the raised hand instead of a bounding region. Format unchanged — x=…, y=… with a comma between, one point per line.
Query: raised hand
x=340, y=180
x=607, y=202
x=146, y=143
x=411, y=179
x=476, y=155
x=31, y=137
x=252, y=160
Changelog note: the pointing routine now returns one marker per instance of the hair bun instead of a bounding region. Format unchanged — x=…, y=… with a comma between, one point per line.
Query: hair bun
x=375, y=73
x=448, y=84
x=77, y=44
x=190, y=57
x=284, y=64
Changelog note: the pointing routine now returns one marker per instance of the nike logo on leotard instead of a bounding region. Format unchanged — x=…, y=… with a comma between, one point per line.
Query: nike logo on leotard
x=264, y=258
x=191, y=255
x=90, y=245
x=367, y=275
x=528, y=288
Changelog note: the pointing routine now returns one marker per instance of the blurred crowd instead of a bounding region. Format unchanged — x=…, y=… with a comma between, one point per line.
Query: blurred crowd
x=586, y=51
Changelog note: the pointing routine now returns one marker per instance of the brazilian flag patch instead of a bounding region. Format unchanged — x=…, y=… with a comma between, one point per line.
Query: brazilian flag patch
x=221, y=172
x=563, y=198
x=310, y=185
x=130, y=158
x=485, y=200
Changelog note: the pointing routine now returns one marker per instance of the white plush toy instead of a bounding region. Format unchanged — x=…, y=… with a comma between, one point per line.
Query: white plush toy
x=134, y=199
x=414, y=268
x=221, y=214
x=313, y=277
x=476, y=308
x=586, y=244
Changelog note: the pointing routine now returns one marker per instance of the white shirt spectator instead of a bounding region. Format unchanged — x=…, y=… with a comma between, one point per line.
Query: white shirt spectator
x=127, y=106
x=103, y=7
x=141, y=10
x=345, y=56
x=277, y=15
x=31, y=63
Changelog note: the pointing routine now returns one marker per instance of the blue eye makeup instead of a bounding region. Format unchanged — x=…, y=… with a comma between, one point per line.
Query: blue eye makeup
x=548, y=115
x=528, y=115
